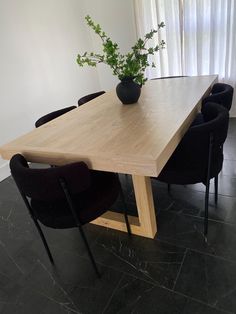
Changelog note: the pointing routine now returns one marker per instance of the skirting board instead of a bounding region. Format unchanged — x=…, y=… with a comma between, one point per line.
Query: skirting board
x=4, y=171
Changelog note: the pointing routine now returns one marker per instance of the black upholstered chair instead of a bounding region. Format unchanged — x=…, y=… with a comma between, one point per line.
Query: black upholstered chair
x=168, y=77
x=89, y=97
x=199, y=156
x=66, y=196
x=221, y=94
x=52, y=115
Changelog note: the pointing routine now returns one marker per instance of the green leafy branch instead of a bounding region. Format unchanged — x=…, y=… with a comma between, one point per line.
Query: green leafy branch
x=132, y=64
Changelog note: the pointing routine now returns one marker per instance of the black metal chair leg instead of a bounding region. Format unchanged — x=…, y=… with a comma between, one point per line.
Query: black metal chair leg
x=36, y=224
x=206, y=210
x=216, y=189
x=208, y=186
x=43, y=240
x=125, y=211
x=73, y=211
x=89, y=251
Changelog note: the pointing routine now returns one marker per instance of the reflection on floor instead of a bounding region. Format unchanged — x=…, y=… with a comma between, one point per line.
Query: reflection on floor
x=174, y=273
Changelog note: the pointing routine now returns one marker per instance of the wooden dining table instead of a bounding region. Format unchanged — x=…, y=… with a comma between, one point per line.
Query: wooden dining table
x=135, y=139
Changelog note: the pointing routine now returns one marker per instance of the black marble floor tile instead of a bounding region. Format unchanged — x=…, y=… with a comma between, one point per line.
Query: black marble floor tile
x=91, y=295
x=136, y=296
x=214, y=280
x=187, y=231
x=224, y=211
x=226, y=186
x=71, y=287
x=11, y=204
x=191, y=202
x=9, y=268
x=9, y=288
x=26, y=302
x=146, y=259
x=69, y=240
x=190, y=199
x=183, y=200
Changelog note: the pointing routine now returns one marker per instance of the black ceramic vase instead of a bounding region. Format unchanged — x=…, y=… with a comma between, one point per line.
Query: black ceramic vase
x=128, y=91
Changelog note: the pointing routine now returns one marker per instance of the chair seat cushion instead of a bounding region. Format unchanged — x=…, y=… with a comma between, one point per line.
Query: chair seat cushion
x=184, y=172
x=89, y=205
x=174, y=176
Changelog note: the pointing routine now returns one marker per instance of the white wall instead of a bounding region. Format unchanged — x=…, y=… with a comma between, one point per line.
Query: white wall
x=116, y=18
x=39, y=42
x=38, y=70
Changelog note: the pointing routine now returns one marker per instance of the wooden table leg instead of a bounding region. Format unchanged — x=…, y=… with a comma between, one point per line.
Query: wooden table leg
x=144, y=225
x=145, y=205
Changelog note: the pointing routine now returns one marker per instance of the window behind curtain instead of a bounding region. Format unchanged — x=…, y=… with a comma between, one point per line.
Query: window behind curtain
x=200, y=37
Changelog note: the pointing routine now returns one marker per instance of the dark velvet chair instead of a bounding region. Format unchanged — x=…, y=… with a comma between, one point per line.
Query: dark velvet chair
x=89, y=97
x=221, y=94
x=199, y=156
x=52, y=115
x=66, y=196
x=168, y=77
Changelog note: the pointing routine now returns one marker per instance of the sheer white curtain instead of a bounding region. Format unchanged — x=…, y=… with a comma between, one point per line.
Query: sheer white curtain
x=200, y=37
x=148, y=14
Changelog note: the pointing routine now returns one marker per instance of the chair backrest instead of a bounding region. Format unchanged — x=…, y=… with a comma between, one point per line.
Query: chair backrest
x=194, y=147
x=216, y=120
x=167, y=77
x=89, y=97
x=44, y=184
x=52, y=115
x=221, y=94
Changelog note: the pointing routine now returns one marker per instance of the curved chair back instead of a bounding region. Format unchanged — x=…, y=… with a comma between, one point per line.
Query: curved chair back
x=51, y=191
x=190, y=161
x=216, y=119
x=89, y=97
x=52, y=115
x=199, y=156
x=44, y=184
x=168, y=77
x=221, y=94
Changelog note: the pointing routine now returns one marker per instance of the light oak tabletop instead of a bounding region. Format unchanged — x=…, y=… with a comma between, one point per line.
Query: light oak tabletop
x=137, y=139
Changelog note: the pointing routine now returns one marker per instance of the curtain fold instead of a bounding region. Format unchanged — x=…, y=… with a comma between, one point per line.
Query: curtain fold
x=200, y=37
x=148, y=15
